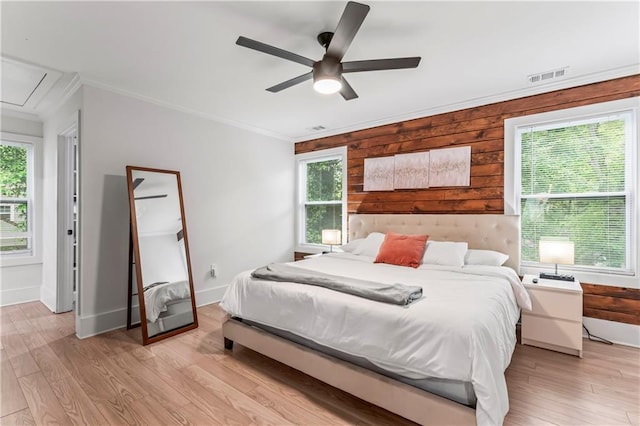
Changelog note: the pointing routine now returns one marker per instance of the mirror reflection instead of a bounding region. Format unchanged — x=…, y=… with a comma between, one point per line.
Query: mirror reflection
x=163, y=273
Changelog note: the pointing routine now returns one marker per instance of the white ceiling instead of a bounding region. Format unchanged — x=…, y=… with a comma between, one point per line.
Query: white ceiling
x=183, y=54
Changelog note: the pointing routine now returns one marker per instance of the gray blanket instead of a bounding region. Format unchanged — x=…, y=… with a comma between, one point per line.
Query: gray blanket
x=397, y=294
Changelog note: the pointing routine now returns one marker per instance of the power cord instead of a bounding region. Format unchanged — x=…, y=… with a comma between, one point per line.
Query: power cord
x=596, y=338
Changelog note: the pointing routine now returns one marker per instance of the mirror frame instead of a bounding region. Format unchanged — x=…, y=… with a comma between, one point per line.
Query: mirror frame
x=134, y=243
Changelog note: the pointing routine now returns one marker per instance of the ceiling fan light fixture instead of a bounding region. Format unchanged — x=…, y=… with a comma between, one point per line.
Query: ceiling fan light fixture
x=327, y=76
x=327, y=85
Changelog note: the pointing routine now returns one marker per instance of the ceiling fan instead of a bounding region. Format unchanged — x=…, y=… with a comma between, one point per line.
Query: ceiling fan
x=327, y=72
x=137, y=182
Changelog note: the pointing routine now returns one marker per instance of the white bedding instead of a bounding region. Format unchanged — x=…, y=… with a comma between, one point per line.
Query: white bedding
x=462, y=329
x=157, y=297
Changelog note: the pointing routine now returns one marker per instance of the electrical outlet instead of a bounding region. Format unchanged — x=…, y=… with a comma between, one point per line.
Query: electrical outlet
x=214, y=270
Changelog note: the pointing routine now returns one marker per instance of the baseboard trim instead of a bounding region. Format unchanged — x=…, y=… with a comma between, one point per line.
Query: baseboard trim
x=92, y=325
x=209, y=296
x=19, y=295
x=616, y=332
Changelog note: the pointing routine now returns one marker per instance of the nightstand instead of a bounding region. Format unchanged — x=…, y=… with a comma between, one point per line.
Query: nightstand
x=555, y=321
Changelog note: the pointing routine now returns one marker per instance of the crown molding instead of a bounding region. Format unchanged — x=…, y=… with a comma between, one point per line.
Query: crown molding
x=212, y=117
x=534, y=89
x=65, y=93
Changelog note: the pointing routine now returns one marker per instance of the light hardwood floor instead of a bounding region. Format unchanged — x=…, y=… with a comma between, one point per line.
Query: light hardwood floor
x=49, y=376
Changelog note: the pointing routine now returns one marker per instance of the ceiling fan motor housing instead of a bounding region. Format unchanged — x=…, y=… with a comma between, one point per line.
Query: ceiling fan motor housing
x=327, y=68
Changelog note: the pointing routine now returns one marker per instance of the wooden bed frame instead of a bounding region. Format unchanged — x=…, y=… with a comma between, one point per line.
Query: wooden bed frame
x=491, y=232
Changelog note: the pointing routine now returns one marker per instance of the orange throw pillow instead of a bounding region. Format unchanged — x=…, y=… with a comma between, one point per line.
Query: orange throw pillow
x=402, y=250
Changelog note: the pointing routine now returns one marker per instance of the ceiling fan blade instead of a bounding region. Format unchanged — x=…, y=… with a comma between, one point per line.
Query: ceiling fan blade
x=350, y=22
x=137, y=182
x=347, y=91
x=275, y=51
x=289, y=83
x=381, y=64
x=149, y=197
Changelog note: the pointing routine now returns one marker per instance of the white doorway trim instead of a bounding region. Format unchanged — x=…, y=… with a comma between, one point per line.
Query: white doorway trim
x=67, y=285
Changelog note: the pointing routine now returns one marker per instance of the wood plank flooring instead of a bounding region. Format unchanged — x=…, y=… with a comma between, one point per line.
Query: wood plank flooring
x=51, y=377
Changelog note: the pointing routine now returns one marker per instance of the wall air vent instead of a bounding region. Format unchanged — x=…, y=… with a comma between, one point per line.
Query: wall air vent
x=547, y=75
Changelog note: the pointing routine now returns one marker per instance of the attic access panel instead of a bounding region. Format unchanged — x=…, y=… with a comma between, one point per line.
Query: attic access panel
x=19, y=83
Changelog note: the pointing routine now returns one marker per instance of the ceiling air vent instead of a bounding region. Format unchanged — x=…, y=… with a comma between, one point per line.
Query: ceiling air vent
x=316, y=128
x=547, y=75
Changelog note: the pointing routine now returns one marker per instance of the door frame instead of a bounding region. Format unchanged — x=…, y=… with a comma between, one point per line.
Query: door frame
x=67, y=179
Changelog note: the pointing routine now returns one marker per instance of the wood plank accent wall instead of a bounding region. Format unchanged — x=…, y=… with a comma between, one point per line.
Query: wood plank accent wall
x=611, y=303
x=482, y=128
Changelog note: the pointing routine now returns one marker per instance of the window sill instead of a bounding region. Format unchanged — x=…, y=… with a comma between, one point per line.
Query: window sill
x=599, y=278
x=7, y=261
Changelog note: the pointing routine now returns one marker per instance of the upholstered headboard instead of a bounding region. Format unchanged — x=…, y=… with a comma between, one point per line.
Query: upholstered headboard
x=481, y=231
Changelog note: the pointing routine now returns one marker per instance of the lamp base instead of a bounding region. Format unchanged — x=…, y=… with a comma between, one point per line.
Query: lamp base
x=559, y=277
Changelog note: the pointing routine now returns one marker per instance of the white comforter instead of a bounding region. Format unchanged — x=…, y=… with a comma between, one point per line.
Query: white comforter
x=463, y=328
x=157, y=297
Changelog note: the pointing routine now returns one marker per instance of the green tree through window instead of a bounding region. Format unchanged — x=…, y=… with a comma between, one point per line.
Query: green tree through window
x=323, y=204
x=573, y=186
x=14, y=170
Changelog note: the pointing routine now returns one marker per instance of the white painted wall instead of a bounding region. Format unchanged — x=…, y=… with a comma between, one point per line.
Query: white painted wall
x=21, y=279
x=54, y=125
x=30, y=126
x=237, y=188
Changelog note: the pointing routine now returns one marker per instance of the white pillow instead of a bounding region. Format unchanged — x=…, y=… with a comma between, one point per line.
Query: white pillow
x=370, y=246
x=445, y=253
x=351, y=246
x=485, y=257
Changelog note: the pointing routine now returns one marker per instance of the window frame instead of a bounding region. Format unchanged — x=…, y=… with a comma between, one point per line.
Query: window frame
x=34, y=218
x=301, y=173
x=512, y=184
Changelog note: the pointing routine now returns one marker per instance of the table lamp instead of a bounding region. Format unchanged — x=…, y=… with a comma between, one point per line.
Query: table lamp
x=331, y=237
x=556, y=251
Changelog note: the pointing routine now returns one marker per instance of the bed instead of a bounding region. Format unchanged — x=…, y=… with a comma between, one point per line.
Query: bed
x=167, y=306
x=438, y=360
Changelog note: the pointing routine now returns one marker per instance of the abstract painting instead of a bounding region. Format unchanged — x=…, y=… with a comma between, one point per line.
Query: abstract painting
x=378, y=174
x=411, y=170
x=450, y=167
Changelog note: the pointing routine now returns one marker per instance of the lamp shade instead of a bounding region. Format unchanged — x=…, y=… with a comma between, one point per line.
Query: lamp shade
x=556, y=251
x=331, y=236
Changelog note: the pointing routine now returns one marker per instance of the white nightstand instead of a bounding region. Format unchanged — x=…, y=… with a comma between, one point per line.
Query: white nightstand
x=555, y=322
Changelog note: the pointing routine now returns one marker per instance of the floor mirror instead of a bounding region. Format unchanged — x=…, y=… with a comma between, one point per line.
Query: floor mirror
x=159, y=250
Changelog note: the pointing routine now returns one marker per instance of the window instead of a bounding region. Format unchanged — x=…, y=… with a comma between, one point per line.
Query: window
x=16, y=197
x=321, y=194
x=573, y=177
x=5, y=212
